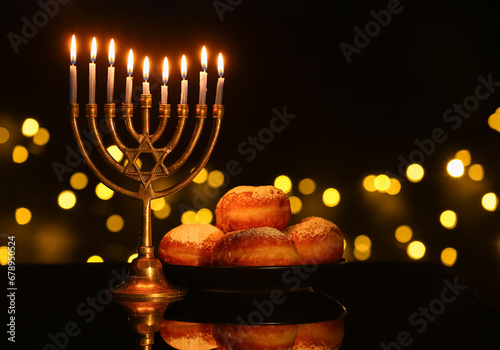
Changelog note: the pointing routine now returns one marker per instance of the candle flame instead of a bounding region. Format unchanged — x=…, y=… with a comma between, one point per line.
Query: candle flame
x=93, y=50
x=111, y=52
x=221, y=66
x=145, y=69
x=165, y=71
x=184, y=67
x=204, y=58
x=73, y=50
x=130, y=65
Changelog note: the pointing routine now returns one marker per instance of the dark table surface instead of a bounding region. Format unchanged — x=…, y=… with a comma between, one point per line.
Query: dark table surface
x=418, y=305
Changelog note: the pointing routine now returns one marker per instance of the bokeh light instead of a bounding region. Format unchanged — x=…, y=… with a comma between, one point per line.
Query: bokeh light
x=66, y=199
x=103, y=192
x=284, y=183
x=215, y=179
x=79, y=181
x=382, y=182
x=394, y=187
x=476, y=172
x=464, y=156
x=19, y=154
x=361, y=255
x=307, y=186
x=115, y=223
x=23, y=216
x=95, y=259
x=369, y=183
x=455, y=168
x=188, y=217
x=4, y=134
x=204, y=216
x=494, y=120
x=490, y=201
x=115, y=152
x=331, y=197
x=449, y=256
x=158, y=203
x=201, y=177
x=448, y=219
x=416, y=250
x=362, y=243
x=403, y=234
x=42, y=137
x=415, y=172
x=30, y=127
x=163, y=213
x=4, y=255
x=295, y=204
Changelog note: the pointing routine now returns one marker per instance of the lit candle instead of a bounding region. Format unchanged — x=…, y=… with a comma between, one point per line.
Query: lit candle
x=164, y=87
x=203, y=77
x=145, y=74
x=220, y=82
x=184, y=82
x=93, y=52
x=111, y=71
x=72, y=72
x=130, y=70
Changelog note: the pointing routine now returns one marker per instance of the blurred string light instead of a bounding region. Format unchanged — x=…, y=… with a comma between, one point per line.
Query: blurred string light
x=284, y=183
x=490, y=201
x=331, y=197
x=394, y=187
x=362, y=247
x=455, y=168
x=103, y=192
x=449, y=256
x=403, y=234
x=115, y=223
x=307, y=186
x=295, y=204
x=79, y=181
x=115, y=152
x=188, y=217
x=204, y=216
x=23, y=216
x=201, y=177
x=464, y=156
x=416, y=250
x=4, y=255
x=382, y=183
x=415, y=172
x=66, y=199
x=215, y=179
x=164, y=212
x=4, y=135
x=95, y=259
x=494, y=120
x=448, y=219
x=19, y=154
x=42, y=137
x=30, y=127
x=158, y=204
x=369, y=183
x=476, y=172
x=132, y=257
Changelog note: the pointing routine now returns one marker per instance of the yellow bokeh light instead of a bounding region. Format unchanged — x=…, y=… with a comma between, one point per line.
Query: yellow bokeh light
x=115, y=223
x=66, y=199
x=307, y=186
x=331, y=197
x=416, y=250
x=204, y=216
x=103, y=192
x=494, y=120
x=163, y=213
x=4, y=255
x=448, y=219
x=23, y=216
x=284, y=183
x=455, y=168
x=132, y=257
x=30, y=127
x=95, y=259
x=382, y=182
x=158, y=203
x=115, y=152
x=79, y=181
x=188, y=217
x=362, y=243
x=415, y=172
x=4, y=135
x=490, y=201
x=395, y=187
x=361, y=255
x=215, y=179
x=19, y=154
x=41, y=137
x=201, y=177
x=449, y=256
x=403, y=234
x=295, y=204
x=476, y=172
x=369, y=183
x=464, y=156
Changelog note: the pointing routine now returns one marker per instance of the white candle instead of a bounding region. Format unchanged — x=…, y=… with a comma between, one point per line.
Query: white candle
x=130, y=70
x=111, y=71
x=184, y=82
x=203, y=77
x=93, y=53
x=145, y=74
x=72, y=72
x=220, y=82
x=164, y=87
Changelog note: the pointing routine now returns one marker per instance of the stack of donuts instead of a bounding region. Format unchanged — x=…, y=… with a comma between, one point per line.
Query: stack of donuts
x=252, y=230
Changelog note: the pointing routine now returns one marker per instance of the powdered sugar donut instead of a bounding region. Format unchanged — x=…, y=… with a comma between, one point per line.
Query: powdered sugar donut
x=246, y=207
x=317, y=240
x=189, y=244
x=188, y=335
x=265, y=337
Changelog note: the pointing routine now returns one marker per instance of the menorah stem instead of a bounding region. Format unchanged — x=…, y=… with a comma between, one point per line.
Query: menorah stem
x=146, y=236
x=146, y=101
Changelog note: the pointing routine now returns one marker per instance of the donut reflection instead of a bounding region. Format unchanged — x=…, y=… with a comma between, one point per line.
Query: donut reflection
x=319, y=336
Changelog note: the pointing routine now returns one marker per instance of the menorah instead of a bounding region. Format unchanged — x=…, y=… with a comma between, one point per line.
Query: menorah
x=145, y=280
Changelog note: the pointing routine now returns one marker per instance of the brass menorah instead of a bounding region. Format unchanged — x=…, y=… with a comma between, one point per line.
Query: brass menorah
x=145, y=280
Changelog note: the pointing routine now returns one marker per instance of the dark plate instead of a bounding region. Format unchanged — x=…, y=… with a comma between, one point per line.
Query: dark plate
x=256, y=279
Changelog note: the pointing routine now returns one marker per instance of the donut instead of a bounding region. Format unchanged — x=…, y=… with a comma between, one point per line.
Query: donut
x=318, y=241
x=245, y=337
x=187, y=335
x=326, y=335
x=261, y=246
x=189, y=244
x=246, y=207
